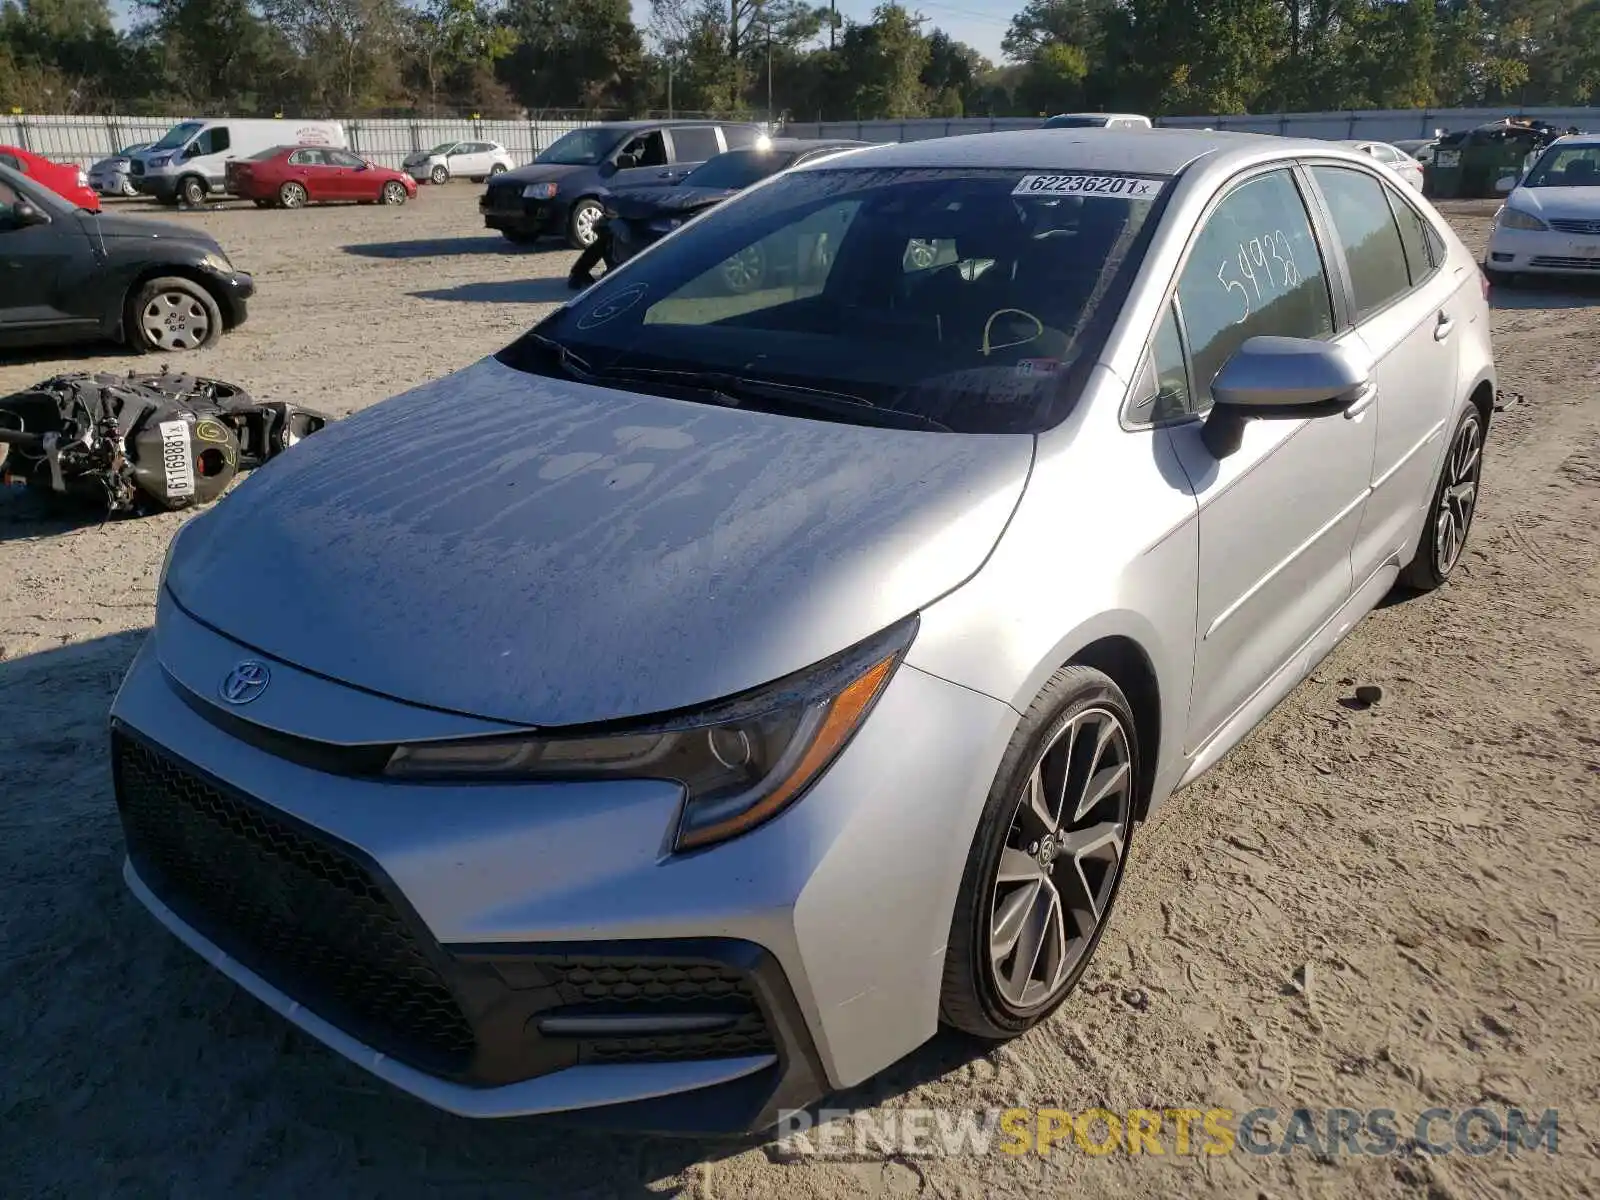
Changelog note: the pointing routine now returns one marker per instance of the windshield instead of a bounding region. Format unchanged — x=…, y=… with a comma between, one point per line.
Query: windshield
x=1567, y=166
x=580, y=148
x=1074, y=122
x=970, y=299
x=739, y=168
x=178, y=135
x=442, y=148
x=133, y=149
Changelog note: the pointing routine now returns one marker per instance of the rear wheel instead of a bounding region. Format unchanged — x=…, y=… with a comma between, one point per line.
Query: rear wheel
x=172, y=313
x=292, y=195
x=394, y=192
x=1455, y=500
x=1047, y=861
x=497, y=169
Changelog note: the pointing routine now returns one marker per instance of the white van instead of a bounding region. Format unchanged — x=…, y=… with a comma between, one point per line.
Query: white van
x=1098, y=121
x=190, y=162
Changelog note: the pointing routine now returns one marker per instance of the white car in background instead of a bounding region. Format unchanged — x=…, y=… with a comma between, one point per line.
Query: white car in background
x=1396, y=159
x=473, y=160
x=1550, y=222
x=113, y=176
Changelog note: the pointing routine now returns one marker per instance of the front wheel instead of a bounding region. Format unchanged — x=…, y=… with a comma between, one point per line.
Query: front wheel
x=440, y=174
x=1047, y=861
x=394, y=192
x=583, y=226
x=192, y=190
x=1450, y=512
x=128, y=189
x=172, y=314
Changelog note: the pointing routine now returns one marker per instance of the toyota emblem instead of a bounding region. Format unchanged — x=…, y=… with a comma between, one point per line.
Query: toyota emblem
x=245, y=682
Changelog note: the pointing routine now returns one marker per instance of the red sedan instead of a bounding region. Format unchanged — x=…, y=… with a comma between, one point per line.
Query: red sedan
x=69, y=182
x=293, y=176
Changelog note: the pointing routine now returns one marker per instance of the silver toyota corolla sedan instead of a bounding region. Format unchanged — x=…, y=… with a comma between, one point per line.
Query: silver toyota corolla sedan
x=681, y=713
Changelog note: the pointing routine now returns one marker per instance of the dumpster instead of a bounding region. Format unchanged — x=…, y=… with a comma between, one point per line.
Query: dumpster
x=1466, y=164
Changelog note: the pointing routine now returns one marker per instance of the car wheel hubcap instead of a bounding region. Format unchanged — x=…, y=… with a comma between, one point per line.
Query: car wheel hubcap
x=1061, y=860
x=392, y=193
x=438, y=175
x=292, y=197
x=1458, y=498
x=175, y=321
x=743, y=270
x=583, y=224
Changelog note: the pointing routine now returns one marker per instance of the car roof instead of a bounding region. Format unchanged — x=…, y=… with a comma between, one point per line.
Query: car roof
x=668, y=123
x=800, y=145
x=1159, y=151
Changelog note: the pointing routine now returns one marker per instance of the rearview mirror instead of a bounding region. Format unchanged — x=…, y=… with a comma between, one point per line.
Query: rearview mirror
x=1505, y=184
x=1283, y=378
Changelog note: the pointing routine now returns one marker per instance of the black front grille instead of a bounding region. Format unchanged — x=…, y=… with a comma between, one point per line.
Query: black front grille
x=291, y=905
x=1570, y=225
x=136, y=167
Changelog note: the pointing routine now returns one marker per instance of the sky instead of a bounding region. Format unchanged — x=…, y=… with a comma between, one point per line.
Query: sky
x=979, y=23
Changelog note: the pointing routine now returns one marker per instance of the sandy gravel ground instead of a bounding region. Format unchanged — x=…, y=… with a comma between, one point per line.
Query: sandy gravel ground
x=1391, y=907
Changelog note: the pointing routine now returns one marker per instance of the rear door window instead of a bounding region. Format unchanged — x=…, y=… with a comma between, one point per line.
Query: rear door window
x=1413, y=236
x=695, y=143
x=740, y=137
x=1255, y=269
x=1366, y=229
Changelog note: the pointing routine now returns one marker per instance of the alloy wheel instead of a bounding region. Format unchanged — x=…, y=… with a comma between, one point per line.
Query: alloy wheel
x=1458, y=496
x=1062, y=857
x=744, y=271
x=393, y=193
x=439, y=174
x=292, y=195
x=175, y=321
x=584, y=221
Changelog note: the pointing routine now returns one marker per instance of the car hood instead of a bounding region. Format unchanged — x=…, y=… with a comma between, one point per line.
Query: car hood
x=537, y=173
x=119, y=163
x=639, y=204
x=548, y=553
x=130, y=227
x=1579, y=203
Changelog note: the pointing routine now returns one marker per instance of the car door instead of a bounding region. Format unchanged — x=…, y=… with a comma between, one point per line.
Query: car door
x=352, y=179
x=1279, y=516
x=310, y=167
x=34, y=260
x=209, y=153
x=1406, y=312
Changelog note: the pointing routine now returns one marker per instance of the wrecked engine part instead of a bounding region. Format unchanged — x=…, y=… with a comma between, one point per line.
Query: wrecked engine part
x=142, y=442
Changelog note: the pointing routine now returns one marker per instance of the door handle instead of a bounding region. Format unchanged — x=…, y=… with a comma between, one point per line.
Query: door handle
x=1362, y=402
x=1443, y=328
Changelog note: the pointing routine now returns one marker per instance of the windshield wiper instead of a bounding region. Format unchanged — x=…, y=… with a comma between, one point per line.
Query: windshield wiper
x=733, y=391
x=569, y=362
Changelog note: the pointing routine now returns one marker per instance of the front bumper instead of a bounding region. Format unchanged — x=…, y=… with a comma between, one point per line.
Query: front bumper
x=813, y=946
x=160, y=187
x=507, y=210
x=1543, y=252
x=109, y=183
x=235, y=291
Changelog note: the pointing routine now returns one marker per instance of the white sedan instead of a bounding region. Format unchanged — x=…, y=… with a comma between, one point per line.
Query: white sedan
x=1550, y=222
x=1396, y=159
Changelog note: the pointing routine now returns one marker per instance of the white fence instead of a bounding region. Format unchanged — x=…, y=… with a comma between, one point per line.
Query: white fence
x=84, y=140
x=1384, y=125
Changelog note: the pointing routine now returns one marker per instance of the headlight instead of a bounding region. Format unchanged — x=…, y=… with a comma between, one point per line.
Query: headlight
x=539, y=191
x=159, y=160
x=218, y=261
x=741, y=761
x=1515, y=218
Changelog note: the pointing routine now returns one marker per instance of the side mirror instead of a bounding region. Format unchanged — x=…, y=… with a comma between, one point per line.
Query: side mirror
x=1506, y=183
x=23, y=214
x=627, y=162
x=1283, y=378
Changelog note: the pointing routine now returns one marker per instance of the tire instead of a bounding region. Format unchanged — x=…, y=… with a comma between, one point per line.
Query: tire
x=981, y=996
x=497, y=169
x=583, y=222
x=440, y=174
x=292, y=195
x=394, y=192
x=1454, y=503
x=746, y=271
x=128, y=189
x=192, y=190
x=171, y=314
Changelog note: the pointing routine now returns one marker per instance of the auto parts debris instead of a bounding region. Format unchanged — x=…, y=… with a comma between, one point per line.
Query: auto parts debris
x=142, y=442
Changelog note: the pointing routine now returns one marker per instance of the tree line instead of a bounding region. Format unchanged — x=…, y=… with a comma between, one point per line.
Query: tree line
x=518, y=58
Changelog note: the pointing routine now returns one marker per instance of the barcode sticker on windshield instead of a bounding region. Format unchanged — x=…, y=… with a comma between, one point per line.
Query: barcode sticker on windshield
x=1121, y=187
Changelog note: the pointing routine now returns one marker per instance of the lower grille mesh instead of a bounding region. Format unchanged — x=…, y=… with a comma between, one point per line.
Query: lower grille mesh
x=290, y=906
